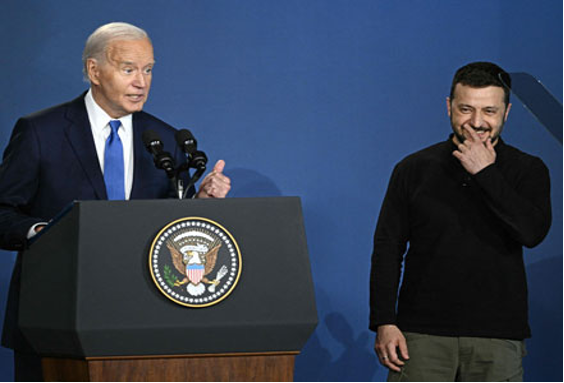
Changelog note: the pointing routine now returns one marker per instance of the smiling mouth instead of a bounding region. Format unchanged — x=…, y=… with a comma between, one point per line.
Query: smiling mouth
x=481, y=130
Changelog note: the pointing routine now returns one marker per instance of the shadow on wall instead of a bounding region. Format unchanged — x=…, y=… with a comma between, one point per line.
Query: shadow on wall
x=249, y=183
x=356, y=363
x=545, y=347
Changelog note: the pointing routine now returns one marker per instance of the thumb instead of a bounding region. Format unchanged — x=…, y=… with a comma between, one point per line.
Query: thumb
x=218, y=167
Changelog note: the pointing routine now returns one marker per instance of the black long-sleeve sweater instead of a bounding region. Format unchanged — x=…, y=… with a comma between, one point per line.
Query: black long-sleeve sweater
x=464, y=272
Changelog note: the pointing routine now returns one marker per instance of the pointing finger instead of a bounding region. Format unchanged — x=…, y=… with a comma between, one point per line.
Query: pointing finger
x=473, y=134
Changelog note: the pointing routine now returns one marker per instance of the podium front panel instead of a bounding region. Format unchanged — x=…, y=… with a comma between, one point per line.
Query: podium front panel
x=117, y=309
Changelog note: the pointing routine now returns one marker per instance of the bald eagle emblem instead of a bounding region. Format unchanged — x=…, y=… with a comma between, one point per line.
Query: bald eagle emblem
x=195, y=262
x=194, y=255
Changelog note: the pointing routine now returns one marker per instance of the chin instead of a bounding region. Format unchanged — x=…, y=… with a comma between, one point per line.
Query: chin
x=134, y=108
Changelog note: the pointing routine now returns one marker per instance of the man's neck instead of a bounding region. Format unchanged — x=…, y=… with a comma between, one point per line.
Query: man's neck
x=96, y=97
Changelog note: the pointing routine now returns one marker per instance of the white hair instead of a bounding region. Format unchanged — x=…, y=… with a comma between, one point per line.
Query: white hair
x=97, y=43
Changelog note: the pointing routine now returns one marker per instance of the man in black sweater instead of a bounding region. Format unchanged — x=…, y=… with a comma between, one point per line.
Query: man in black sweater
x=466, y=206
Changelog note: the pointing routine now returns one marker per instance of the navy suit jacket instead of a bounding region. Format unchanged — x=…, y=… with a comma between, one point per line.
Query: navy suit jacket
x=51, y=161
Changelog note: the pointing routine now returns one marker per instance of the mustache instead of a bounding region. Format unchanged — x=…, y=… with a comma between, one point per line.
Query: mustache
x=480, y=128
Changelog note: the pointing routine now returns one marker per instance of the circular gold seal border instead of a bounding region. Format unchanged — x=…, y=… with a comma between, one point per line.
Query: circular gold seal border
x=213, y=223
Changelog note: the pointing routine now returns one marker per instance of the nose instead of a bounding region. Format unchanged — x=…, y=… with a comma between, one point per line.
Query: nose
x=140, y=80
x=476, y=119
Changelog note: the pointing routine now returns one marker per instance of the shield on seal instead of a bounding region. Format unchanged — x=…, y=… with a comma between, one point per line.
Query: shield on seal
x=195, y=273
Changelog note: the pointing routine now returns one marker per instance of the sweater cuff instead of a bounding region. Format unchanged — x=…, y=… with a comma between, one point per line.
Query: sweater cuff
x=486, y=174
x=375, y=322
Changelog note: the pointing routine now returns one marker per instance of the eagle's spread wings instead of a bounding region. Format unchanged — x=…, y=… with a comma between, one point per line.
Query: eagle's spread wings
x=177, y=259
x=211, y=258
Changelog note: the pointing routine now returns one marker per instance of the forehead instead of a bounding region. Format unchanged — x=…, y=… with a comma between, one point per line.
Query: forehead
x=131, y=51
x=489, y=95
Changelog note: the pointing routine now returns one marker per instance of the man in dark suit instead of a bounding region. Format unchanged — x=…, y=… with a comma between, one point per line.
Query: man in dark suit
x=68, y=153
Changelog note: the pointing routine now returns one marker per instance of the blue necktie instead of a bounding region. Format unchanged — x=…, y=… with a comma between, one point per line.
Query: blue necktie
x=113, y=164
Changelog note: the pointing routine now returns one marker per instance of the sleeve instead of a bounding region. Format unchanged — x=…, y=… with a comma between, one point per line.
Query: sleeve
x=524, y=208
x=19, y=174
x=390, y=242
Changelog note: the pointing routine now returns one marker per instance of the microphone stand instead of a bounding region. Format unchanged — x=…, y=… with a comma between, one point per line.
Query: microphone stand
x=194, y=159
x=195, y=177
x=182, y=190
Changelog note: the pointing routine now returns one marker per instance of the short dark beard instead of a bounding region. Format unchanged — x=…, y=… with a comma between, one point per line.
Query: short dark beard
x=461, y=138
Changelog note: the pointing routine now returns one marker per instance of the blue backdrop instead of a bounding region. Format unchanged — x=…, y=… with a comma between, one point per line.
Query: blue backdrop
x=317, y=99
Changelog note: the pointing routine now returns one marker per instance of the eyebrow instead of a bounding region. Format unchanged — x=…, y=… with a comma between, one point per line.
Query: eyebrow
x=132, y=63
x=472, y=107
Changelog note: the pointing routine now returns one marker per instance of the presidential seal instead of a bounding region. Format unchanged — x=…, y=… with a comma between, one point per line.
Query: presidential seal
x=195, y=262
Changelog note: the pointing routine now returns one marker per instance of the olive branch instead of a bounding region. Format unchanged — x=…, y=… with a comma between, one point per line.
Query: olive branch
x=169, y=277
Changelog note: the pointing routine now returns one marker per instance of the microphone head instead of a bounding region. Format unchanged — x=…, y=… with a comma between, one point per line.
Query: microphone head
x=199, y=160
x=150, y=139
x=186, y=141
x=163, y=160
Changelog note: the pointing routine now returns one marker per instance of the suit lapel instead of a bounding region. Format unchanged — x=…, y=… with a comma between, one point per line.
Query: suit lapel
x=138, y=127
x=79, y=134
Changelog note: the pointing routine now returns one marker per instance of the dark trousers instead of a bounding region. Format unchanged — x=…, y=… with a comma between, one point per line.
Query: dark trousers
x=27, y=367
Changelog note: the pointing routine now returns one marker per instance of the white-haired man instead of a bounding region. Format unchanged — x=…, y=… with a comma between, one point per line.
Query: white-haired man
x=86, y=149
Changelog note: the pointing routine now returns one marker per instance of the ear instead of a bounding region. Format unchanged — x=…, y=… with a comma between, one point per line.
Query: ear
x=93, y=70
x=507, y=112
x=448, y=106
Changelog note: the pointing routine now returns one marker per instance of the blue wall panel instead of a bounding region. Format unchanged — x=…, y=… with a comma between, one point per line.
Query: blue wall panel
x=317, y=99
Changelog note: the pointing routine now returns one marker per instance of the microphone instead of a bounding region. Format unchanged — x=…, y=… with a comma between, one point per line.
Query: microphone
x=187, y=142
x=195, y=159
x=163, y=160
x=199, y=160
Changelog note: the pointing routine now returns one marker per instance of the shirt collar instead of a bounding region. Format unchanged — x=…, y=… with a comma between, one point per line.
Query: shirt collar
x=98, y=117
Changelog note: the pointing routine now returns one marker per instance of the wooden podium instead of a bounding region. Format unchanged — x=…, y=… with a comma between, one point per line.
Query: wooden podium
x=90, y=305
x=263, y=367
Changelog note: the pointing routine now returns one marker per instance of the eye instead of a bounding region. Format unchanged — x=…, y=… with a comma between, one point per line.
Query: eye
x=127, y=70
x=148, y=70
x=491, y=112
x=465, y=109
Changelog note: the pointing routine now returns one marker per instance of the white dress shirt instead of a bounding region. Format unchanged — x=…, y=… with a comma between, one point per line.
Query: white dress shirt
x=100, y=125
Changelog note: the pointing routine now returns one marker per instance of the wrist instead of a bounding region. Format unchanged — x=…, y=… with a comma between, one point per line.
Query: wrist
x=388, y=325
x=483, y=168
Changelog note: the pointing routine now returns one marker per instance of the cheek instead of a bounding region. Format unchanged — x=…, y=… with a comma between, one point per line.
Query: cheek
x=495, y=122
x=114, y=89
x=119, y=86
x=460, y=119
